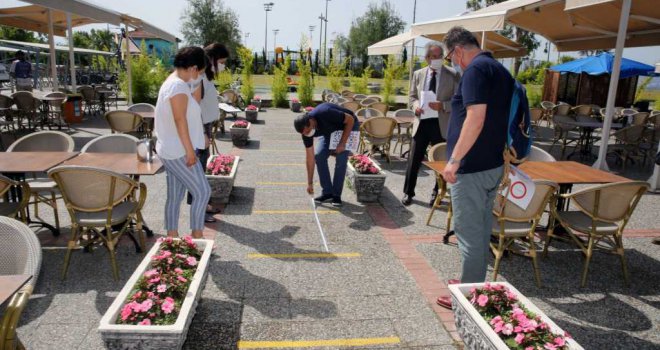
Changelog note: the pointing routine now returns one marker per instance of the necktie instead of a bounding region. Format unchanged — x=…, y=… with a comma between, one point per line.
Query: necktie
x=432, y=84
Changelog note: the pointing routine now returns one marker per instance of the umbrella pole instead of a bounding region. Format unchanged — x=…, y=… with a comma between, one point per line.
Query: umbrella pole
x=51, y=46
x=318, y=223
x=601, y=162
x=72, y=58
x=127, y=60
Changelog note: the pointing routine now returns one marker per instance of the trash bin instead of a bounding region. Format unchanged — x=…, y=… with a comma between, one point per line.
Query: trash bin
x=73, y=109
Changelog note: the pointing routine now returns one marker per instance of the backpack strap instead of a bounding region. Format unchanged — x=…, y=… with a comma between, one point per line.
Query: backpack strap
x=509, y=154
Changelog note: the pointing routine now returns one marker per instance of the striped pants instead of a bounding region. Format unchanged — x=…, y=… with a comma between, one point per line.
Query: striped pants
x=181, y=178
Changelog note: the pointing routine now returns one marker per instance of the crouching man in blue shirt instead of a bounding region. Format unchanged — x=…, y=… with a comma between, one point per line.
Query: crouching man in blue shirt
x=320, y=123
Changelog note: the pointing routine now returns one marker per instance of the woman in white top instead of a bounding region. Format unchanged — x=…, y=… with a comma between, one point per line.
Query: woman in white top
x=217, y=55
x=179, y=130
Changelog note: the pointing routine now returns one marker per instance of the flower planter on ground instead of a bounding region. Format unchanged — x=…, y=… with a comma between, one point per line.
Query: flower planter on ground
x=127, y=336
x=477, y=333
x=295, y=106
x=256, y=103
x=240, y=136
x=251, y=113
x=367, y=187
x=221, y=185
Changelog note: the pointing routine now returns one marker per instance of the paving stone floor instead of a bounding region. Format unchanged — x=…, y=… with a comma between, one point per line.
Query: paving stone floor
x=385, y=294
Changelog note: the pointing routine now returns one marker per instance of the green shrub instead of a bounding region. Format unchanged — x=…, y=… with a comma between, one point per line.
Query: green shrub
x=279, y=87
x=247, y=85
x=642, y=88
x=147, y=75
x=306, y=85
x=393, y=71
x=359, y=84
x=533, y=98
x=336, y=72
x=224, y=80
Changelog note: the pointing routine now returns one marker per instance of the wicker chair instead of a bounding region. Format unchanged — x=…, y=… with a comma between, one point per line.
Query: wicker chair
x=359, y=97
x=564, y=132
x=11, y=209
x=368, y=113
x=376, y=135
x=548, y=111
x=43, y=189
x=513, y=224
x=537, y=154
x=381, y=106
x=147, y=123
x=583, y=110
x=91, y=99
x=602, y=214
x=628, y=140
x=124, y=122
x=97, y=200
x=20, y=254
x=404, y=136
x=347, y=93
x=368, y=101
x=639, y=118
x=437, y=153
x=113, y=143
x=338, y=100
x=55, y=110
x=27, y=109
x=375, y=97
x=7, y=117
x=536, y=115
x=351, y=105
x=563, y=109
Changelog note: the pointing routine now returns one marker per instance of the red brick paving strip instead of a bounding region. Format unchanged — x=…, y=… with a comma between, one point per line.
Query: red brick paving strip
x=426, y=278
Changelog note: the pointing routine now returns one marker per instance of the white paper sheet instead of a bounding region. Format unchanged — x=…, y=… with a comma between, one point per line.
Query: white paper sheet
x=521, y=189
x=351, y=144
x=428, y=96
x=228, y=109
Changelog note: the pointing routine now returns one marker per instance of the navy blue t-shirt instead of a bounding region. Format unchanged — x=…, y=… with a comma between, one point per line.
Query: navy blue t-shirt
x=329, y=118
x=485, y=81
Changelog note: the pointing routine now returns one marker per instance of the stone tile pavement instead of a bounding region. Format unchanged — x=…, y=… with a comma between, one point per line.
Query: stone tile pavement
x=383, y=296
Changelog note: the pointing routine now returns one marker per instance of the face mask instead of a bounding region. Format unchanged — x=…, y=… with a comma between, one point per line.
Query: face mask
x=221, y=67
x=457, y=68
x=436, y=64
x=194, y=83
x=311, y=133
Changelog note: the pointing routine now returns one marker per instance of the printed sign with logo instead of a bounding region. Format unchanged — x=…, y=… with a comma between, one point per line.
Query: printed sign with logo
x=351, y=144
x=521, y=189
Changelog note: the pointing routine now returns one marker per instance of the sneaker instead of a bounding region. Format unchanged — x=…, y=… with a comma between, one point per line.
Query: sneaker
x=323, y=198
x=209, y=218
x=336, y=202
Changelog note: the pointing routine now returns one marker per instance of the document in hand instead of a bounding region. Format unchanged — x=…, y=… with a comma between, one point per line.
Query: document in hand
x=428, y=96
x=351, y=144
x=521, y=188
x=228, y=109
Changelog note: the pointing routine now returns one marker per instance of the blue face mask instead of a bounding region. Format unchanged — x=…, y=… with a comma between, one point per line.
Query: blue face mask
x=458, y=68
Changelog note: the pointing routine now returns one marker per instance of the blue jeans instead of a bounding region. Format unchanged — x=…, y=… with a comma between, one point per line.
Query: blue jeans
x=334, y=186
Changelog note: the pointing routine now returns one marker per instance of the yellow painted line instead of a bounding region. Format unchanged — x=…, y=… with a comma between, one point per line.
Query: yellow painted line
x=320, y=212
x=282, y=164
x=250, y=344
x=303, y=255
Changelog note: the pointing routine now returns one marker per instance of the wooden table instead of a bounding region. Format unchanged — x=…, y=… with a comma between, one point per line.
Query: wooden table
x=123, y=163
x=10, y=284
x=32, y=162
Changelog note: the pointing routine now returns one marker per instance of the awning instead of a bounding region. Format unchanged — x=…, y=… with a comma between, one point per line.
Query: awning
x=148, y=27
x=602, y=64
x=45, y=47
x=35, y=18
x=390, y=46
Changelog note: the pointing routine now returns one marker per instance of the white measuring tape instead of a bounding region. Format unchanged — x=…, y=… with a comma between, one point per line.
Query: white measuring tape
x=318, y=223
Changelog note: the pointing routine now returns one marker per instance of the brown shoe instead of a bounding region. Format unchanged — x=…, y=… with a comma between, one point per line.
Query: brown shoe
x=444, y=301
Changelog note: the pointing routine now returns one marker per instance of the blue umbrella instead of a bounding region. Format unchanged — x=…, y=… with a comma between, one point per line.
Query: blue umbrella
x=602, y=64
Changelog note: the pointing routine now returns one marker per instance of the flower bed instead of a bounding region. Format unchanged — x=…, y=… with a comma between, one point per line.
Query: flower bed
x=240, y=132
x=221, y=173
x=157, y=304
x=251, y=113
x=497, y=316
x=365, y=178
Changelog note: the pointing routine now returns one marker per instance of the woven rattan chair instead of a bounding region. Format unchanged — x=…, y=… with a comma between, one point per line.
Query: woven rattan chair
x=628, y=140
x=563, y=109
x=368, y=113
x=381, y=106
x=91, y=99
x=583, y=110
x=113, y=143
x=537, y=154
x=565, y=132
x=55, y=110
x=404, y=130
x=6, y=116
x=602, y=214
x=536, y=115
x=27, y=109
x=13, y=209
x=347, y=93
x=359, y=97
x=124, y=122
x=97, y=200
x=351, y=105
x=640, y=118
x=368, y=101
x=513, y=224
x=338, y=100
x=147, y=123
x=43, y=189
x=548, y=111
x=438, y=153
x=376, y=135
x=20, y=254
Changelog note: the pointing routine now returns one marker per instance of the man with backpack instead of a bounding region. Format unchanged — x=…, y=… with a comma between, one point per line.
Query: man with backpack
x=476, y=140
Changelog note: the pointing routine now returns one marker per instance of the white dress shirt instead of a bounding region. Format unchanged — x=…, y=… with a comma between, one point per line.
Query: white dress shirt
x=427, y=81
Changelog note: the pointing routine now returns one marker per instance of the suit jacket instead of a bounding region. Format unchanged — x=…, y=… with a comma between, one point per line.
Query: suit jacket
x=446, y=85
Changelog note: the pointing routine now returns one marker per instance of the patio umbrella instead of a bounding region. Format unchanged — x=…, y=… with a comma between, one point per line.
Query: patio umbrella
x=602, y=64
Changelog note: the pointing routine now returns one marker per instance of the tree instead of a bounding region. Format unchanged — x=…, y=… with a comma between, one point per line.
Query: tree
x=524, y=38
x=306, y=85
x=12, y=33
x=592, y=52
x=280, y=87
x=393, y=70
x=102, y=39
x=208, y=21
x=82, y=40
x=247, y=85
x=378, y=23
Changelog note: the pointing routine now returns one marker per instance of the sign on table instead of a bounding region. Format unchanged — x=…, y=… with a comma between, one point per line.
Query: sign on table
x=521, y=188
x=351, y=144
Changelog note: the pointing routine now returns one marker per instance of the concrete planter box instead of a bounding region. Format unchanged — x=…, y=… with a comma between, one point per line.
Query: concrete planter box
x=476, y=332
x=240, y=136
x=122, y=336
x=221, y=185
x=295, y=106
x=256, y=103
x=251, y=116
x=367, y=187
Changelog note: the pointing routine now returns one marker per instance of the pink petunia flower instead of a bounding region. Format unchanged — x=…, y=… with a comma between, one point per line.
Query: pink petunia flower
x=191, y=261
x=482, y=300
x=126, y=311
x=549, y=346
x=182, y=279
x=161, y=288
x=178, y=270
x=559, y=341
x=146, y=305
x=168, y=305
x=520, y=338
x=145, y=322
x=150, y=273
x=507, y=329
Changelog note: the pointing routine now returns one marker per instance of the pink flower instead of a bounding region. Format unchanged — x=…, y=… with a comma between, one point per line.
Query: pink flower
x=309, y=108
x=126, y=311
x=482, y=300
x=520, y=338
x=145, y=322
x=495, y=320
x=150, y=273
x=161, y=288
x=191, y=261
x=178, y=270
x=497, y=327
x=146, y=305
x=507, y=329
x=168, y=305
x=257, y=98
x=529, y=348
x=549, y=346
x=559, y=341
x=181, y=279
x=251, y=108
x=154, y=280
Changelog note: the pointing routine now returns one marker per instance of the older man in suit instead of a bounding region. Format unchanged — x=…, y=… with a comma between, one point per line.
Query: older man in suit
x=431, y=127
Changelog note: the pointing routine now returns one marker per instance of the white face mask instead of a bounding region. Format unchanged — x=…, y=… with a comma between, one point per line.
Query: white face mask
x=436, y=64
x=221, y=67
x=194, y=83
x=311, y=133
x=457, y=68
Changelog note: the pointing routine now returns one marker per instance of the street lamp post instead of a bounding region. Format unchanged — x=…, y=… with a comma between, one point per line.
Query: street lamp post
x=247, y=35
x=321, y=32
x=267, y=7
x=311, y=30
x=325, y=40
x=275, y=31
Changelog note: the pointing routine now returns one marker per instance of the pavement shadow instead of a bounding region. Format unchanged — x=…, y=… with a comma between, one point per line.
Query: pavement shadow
x=271, y=242
x=216, y=325
x=596, y=338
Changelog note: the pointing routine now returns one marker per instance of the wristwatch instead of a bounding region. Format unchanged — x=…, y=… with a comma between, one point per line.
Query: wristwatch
x=453, y=160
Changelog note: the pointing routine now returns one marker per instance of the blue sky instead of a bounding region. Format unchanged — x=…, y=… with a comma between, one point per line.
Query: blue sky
x=293, y=18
